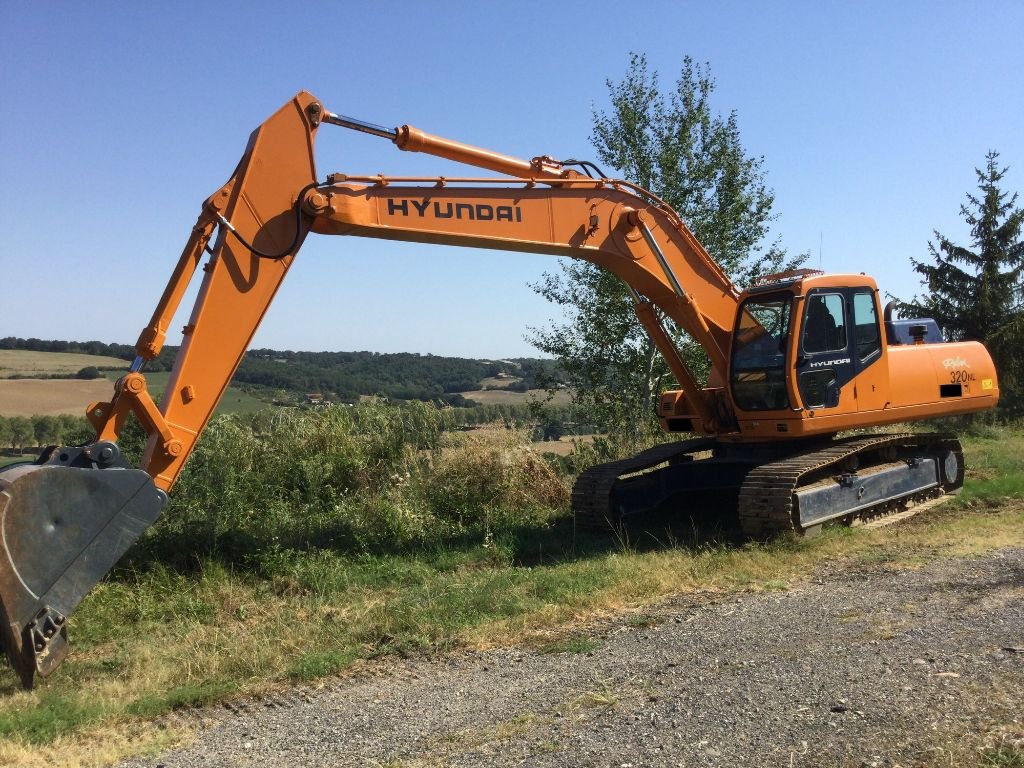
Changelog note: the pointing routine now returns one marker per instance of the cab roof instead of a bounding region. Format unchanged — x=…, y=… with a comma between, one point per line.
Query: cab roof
x=802, y=280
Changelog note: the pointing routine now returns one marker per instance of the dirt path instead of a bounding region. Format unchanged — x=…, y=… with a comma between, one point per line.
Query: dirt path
x=860, y=666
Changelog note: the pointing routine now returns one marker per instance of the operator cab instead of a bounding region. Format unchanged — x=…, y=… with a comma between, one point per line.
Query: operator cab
x=837, y=331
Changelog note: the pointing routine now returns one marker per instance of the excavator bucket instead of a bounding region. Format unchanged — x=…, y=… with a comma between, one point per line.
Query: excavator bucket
x=65, y=520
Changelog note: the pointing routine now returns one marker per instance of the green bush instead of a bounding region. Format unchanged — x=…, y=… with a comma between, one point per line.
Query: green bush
x=89, y=372
x=372, y=477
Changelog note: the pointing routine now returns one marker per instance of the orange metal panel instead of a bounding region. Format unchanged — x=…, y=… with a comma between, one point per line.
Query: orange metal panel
x=237, y=288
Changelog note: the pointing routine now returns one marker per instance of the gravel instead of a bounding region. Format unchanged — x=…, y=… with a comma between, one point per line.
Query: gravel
x=857, y=666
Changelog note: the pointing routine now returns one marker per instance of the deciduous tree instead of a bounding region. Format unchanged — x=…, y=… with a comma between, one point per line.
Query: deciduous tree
x=674, y=144
x=5, y=433
x=22, y=433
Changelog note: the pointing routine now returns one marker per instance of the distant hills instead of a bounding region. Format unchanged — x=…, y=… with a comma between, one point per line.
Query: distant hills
x=343, y=376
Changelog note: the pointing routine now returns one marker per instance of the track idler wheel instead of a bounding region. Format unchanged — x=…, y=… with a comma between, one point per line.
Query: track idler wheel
x=65, y=521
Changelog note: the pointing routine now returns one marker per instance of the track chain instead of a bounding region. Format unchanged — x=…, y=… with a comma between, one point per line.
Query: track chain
x=766, y=496
x=592, y=491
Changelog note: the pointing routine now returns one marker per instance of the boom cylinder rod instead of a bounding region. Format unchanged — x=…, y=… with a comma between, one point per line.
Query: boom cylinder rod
x=662, y=261
x=700, y=326
x=356, y=124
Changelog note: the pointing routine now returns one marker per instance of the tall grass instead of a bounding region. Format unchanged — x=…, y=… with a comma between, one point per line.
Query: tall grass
x=995, y=464
x=368, y=478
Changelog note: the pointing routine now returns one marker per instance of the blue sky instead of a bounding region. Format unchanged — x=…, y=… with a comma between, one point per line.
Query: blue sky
x=119, y=119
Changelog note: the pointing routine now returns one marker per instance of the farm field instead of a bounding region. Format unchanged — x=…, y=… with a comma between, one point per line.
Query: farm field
x=505, y=397
x=51, y=397
x=23, y=362
x=54, y=397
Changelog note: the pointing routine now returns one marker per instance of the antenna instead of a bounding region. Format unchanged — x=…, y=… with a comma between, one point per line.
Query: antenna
x=821, y=242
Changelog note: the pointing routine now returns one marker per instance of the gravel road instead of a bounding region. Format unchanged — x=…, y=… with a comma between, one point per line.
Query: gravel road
x=858, y=666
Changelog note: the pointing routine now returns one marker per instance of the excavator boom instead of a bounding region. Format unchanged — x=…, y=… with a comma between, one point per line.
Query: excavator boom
x=68, y=517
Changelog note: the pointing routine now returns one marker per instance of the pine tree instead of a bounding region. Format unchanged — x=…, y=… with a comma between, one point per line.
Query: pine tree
x=676, y=146
x=977, y=293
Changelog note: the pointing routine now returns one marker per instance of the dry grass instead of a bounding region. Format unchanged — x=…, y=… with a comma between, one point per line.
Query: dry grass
x=505, y=397
x=51, y=397
x=562, y=447
x=101, y=747
x=23, y=362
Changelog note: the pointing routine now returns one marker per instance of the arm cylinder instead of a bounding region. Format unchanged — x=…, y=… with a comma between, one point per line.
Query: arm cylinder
x=414, y=140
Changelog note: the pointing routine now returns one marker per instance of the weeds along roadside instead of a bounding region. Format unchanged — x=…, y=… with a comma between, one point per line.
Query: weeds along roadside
x=300, y=543
x=371, y=478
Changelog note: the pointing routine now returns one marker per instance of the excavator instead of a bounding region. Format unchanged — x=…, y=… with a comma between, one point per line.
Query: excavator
x=798, y=362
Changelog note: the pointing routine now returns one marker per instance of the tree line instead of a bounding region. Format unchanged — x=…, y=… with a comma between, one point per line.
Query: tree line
x=340, y=376
x=20, y=433
x=345, y=376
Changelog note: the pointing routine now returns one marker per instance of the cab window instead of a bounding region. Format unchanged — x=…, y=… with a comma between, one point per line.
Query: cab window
x=757, y=369
x=866, y=332
x=824, y=326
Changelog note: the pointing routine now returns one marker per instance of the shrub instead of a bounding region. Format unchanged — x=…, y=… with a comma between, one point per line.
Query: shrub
x=89, y=372
x=369, y=477
x=491, y=478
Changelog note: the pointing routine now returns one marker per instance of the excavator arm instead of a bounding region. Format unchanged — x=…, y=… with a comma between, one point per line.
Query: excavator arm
x=272, y=201
x=66, y=519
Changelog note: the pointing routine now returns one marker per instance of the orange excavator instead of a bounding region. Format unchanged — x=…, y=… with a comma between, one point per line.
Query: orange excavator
x=795, y=360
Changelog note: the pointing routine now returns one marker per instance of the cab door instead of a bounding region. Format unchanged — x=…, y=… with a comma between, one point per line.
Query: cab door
x=872, y=385
x=824, y=364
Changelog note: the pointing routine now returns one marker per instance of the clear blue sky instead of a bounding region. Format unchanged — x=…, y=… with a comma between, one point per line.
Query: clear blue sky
x=119, y=119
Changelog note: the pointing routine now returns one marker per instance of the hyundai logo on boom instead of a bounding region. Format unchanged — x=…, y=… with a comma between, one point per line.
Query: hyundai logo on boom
x=460, y=211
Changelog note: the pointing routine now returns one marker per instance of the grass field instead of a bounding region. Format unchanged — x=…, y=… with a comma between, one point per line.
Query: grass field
x=15, y=459
x=495, y=382
x=22, y=362
x=151, y=641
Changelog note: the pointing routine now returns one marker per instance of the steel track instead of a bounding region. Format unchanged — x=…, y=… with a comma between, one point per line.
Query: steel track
x=765, y=503
x=766, y=496
x=592, y=493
